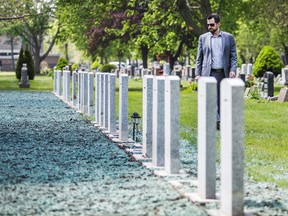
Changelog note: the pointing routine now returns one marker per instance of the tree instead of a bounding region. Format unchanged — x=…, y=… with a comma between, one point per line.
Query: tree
x=33, y=23
x=267, y=25
x=20, y=62
x=30, y=64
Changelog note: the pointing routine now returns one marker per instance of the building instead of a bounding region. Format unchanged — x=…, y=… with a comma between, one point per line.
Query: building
x=6, y=58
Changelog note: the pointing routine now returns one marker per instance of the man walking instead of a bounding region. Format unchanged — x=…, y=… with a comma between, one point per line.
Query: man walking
x=216, y=56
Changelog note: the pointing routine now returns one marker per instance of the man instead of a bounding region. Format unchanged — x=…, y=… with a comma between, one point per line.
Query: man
x=216, y=56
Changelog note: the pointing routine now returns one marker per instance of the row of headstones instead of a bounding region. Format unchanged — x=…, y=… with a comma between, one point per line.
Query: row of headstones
x=161, y=135
x=161, y=125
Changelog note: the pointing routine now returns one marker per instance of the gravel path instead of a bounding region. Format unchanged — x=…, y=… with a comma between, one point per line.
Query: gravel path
x=54, y=162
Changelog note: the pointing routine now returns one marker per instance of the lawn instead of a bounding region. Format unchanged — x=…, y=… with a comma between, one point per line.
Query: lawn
x=8, y=81
x=266, y=137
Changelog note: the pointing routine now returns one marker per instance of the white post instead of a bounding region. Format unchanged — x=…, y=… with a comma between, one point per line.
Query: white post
x=147, y=109
x=123, y=107
x=112, y=103
x=232, y=146
x=158, y=135
x=207, y=97
x=172, y=124
x=90, y=94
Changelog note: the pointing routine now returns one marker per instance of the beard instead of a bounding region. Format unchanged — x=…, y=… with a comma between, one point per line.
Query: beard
x=212, y=30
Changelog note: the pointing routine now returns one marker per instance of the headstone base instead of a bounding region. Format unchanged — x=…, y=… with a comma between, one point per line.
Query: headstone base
x=24, y=85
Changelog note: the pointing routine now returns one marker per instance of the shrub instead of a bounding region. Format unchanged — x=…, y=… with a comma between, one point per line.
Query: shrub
x=75, y=67
x=19, y=64
x=30, y=64
x=95, y=65
x=107, y=68
x=62, y=62
x=267, y=60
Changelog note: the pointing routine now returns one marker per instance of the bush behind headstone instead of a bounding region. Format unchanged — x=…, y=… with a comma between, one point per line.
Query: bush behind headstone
x=107, y=68
x=62, y=62
x=30, y=64
x=19, y=64
x=267, y=60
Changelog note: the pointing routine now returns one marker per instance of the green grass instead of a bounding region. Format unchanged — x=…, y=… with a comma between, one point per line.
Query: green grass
x=8, y=81
x=266, y=137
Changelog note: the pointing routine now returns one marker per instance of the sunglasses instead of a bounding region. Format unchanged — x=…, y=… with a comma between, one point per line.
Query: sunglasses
x=211, y=24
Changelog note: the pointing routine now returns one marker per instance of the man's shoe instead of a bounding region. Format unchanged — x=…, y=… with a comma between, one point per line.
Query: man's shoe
x=218, y=125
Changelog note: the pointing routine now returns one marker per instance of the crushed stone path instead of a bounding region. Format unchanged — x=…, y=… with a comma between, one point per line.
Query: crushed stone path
x=54, y=162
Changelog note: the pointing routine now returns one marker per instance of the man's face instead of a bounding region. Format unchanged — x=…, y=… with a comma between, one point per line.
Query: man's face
x=212, y=25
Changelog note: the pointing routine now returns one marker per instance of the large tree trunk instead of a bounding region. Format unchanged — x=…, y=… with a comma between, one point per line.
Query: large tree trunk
x=12, y=53
x=144, y=52
x=191, y=15
x=285, y=54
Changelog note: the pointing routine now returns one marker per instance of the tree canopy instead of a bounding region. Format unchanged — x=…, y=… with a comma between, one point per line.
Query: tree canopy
x=147, y=29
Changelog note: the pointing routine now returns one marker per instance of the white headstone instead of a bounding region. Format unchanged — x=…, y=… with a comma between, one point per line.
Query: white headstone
x=74, y=95
x=90, y=94
x=207, y=106
x=105, y=109
x=112, y=103
x=97, y=97
x=172, y=124
x=123, y=107
x=158, y=138
x=232, y=146
x=147, y=107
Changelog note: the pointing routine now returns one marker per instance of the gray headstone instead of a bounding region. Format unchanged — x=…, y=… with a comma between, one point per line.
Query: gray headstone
x=207, y=106
x=24, y=82
x=232, y=146
x=283, y=95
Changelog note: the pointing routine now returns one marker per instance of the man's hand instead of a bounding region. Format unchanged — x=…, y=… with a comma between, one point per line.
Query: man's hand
x=197, y=78
x=232, y=74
